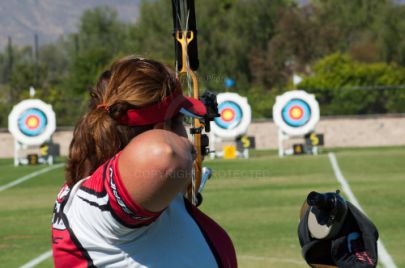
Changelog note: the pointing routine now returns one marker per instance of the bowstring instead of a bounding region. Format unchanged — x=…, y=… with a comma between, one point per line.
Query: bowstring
x=190, y=93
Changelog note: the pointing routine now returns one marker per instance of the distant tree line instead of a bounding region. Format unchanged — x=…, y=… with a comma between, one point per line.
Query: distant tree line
x=351, y=54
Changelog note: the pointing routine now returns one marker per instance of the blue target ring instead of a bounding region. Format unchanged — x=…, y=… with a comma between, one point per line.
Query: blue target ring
x=296, y=113
x=231, y=115
x=32, y=122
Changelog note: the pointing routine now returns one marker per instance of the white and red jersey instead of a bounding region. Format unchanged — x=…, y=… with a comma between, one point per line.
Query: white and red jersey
x=97, y=224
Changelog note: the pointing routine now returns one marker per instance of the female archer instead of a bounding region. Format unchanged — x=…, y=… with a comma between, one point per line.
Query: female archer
x=129, y=165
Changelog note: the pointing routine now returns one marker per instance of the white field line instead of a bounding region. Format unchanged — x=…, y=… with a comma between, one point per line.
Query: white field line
x=29, y=176
x=272, y=259
x=383, y=255
x=37, y=260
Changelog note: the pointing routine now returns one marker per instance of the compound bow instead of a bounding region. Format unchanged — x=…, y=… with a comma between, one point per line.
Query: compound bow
x=186, y=53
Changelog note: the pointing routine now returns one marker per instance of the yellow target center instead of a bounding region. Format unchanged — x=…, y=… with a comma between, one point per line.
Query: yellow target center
x=227, y=115
x=32, y=122
x=296, y=112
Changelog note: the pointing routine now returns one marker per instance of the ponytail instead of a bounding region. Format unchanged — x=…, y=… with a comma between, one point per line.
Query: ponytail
x=96, y=139
x=98, y=136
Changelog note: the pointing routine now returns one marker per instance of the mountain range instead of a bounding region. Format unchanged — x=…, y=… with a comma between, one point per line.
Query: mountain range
x=49, y=19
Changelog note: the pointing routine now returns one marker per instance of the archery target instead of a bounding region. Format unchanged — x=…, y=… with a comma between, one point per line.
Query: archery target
x=235, y=116
x=296, y=112
x=32, y=122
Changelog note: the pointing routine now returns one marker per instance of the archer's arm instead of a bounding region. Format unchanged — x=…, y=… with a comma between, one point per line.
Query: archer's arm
x=155, y=166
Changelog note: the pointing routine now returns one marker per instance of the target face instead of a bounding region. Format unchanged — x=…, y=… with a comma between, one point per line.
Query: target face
x=32, y=122
x=235, y=116
x=230, y=115
x=296, y=112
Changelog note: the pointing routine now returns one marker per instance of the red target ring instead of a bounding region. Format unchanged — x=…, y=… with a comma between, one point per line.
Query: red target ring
x=32, y=122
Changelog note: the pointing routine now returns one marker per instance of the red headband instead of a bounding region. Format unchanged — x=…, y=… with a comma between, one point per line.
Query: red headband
x=162, y=111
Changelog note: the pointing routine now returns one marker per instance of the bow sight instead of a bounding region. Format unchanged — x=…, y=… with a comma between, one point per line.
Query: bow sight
x=210, y=101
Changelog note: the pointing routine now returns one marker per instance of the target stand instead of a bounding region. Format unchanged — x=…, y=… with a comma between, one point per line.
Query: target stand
x=296, y=114
x=32, y=123
x=235, y=118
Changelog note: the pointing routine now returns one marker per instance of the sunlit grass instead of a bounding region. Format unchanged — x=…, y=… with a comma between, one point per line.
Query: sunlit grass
x=257, y=201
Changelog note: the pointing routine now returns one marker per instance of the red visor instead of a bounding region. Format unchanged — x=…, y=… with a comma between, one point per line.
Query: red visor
x=169, y=107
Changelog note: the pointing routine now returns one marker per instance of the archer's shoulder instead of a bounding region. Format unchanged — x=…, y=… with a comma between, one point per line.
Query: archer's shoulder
x=156, y=141
x=155, y=135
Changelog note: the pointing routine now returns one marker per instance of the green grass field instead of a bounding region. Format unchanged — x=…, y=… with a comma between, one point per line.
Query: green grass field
x=257, y=201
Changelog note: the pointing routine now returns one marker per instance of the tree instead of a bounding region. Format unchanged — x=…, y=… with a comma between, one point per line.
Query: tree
x=344, y=86
x=234, y=35
x=151, y=36
x=292, y=48
x=391, y=34
x=101, y=38
x=56, y=59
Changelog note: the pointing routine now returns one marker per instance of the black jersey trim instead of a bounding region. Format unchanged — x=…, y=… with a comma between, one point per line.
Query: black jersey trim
x=105, y=207
x=93, y=192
